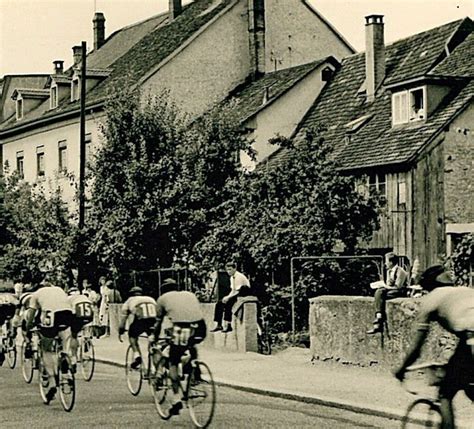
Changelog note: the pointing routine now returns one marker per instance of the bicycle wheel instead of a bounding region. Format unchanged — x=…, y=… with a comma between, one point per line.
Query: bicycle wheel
x=162, y=391
x=87, y=358
x=201, y=395
x=422, y=413
x=134, y=376
x=67, y=386
x=11, y=352
x=27, y=364
x=43, y=381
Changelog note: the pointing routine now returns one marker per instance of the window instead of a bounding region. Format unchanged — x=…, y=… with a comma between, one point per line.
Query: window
x=88, y=142
x=19, y=108
x=402, y=192
x=75, y=89
x=408, y=106
x=40, y=161
x=53, y=97
x=377, y=184
x=62, y=156
x=20, y=160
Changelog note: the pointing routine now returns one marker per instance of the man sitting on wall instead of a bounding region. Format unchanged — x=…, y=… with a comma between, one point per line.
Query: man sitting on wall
x=394, y=288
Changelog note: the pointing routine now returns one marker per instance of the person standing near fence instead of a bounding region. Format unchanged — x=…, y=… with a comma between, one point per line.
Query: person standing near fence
x=104, y=305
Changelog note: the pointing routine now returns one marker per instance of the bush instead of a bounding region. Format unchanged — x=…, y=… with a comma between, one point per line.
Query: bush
x=463, y=260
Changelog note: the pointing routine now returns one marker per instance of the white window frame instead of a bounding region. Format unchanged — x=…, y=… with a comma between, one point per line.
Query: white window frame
x=62, y=149
x=53, y=96
x=20, y=163
x=40, y=153
x=412, y=115
x=377, y=184
x=402, y=111
x=19, y=108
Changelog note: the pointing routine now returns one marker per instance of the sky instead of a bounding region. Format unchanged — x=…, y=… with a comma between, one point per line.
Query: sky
x=34, y=33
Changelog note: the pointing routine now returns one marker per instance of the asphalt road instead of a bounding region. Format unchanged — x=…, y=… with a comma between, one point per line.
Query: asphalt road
x=105, y=402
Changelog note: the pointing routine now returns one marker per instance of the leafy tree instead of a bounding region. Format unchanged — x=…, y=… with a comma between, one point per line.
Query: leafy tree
x=463, y=260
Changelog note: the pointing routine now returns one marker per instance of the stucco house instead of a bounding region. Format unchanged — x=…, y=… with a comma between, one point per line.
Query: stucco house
x=401, y=117
x=200, y=53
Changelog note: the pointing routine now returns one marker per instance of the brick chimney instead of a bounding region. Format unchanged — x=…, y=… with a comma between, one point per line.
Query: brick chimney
x=374, y=54
x=175, y=8
x=58, y=66
x=99, y=30
x=76, y=54
x=256, y=15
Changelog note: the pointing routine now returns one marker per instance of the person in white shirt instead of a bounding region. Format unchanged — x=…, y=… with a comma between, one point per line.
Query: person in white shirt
x=223, y=307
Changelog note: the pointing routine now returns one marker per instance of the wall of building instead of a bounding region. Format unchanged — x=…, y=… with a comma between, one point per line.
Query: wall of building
x=296, y=35
x=459, y=169
x=206, y=70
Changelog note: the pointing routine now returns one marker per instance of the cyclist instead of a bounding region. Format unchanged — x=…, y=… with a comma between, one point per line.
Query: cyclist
x=189, y=329
x=50, y=310
x=82, y=315
x=142, y=310
x=8, y=304
x=453, y=308
x=20, y=316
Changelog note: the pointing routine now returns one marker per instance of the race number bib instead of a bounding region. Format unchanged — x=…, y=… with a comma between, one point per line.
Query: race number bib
x=181, y=336
x=145, y=310
x=84, y=310
x=47, y=319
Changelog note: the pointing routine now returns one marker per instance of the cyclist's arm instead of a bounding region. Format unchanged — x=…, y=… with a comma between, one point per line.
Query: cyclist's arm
x=160, y=314
x=31, y=313
x=123, y=318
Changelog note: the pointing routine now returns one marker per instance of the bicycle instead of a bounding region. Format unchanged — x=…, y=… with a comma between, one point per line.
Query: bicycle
x=64, y=378
x=9, y=344
x=86, y=352
x=197, y=385
x=263, y=333
x=425, y=409
x=29, y=354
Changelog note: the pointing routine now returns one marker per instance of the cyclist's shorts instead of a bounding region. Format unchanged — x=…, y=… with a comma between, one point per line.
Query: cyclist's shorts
x=79, y=322
x=185, y=335
x=139, y=326
x=7, y=311
x=62, y=320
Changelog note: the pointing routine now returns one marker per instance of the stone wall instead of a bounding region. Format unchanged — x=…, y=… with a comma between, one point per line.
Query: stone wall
x=242, y=339
x=338, y=326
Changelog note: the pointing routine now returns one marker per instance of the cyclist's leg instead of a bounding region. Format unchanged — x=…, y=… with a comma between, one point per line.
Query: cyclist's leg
x=66, y=337
x=175, y=357
x=134, y=331
x=2, y=321
x=49, y=354
x=76, y=327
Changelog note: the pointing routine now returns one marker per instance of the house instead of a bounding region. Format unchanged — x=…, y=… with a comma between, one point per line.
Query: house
x=199, y=53
x=401, y=118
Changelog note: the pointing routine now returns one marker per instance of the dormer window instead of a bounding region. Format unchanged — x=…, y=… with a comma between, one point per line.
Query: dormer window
x=75, y=89
x=19, y=108
x=53, y=97
x=409, y=106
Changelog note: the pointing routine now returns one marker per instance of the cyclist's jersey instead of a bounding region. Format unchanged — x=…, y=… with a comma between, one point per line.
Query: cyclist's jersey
x=452, y=307
x=24, y=302
x=180, y=307
x=141, y=307
x=81, y=306
x=49, y=300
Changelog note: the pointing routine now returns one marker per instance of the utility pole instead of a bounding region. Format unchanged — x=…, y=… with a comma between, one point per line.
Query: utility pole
x=82, y=165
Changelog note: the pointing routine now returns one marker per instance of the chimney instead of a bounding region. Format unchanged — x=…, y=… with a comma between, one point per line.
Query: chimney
x=256, y=15
x=99, y=30
x=374, y=54
x=76, y=54
x=175, y=8
x=58, y=66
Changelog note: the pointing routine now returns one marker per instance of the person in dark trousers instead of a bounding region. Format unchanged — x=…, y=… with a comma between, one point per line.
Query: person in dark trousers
x=223, y=308
x=395, y=288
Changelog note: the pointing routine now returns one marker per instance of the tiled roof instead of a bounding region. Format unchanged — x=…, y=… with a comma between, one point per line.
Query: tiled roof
x=154, y=40
x=250, y=97
x=377, y=143
x=460, y=62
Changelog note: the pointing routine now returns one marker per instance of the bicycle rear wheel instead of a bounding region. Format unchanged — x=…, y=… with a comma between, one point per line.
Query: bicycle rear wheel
x=11, y=352
x=161, y=389
x=87, y=358
x=134, y=376
x=422, y=413
x=27, y=364
x=201, y=395
x=67, y=386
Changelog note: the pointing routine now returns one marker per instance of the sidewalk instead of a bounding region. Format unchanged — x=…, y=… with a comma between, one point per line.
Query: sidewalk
x=291, y=374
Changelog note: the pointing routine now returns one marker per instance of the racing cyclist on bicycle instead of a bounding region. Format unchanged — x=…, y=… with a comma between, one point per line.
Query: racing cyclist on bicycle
x=8, y=304
x=50, y=310
x=83, y=314
x=184, y=311
x=21, y=319
x=142, y=310
x=453, y=308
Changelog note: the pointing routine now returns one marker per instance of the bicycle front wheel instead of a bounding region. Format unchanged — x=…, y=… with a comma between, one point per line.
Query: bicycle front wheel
x=27, y=363
x=201, y=395
x=67, y=387
x=87, y=358
x=422, y=413
x=134, y=376
x=161, y=389
x=11, y=352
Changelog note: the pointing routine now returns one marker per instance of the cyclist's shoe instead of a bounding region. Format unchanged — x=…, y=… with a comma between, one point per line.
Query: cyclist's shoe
x=176, y=408
x=51, y=394
x=28, y=352
x=64, y=366
x=136, y=363
x=376, y=329
x=217, y=329
x=228, y=329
